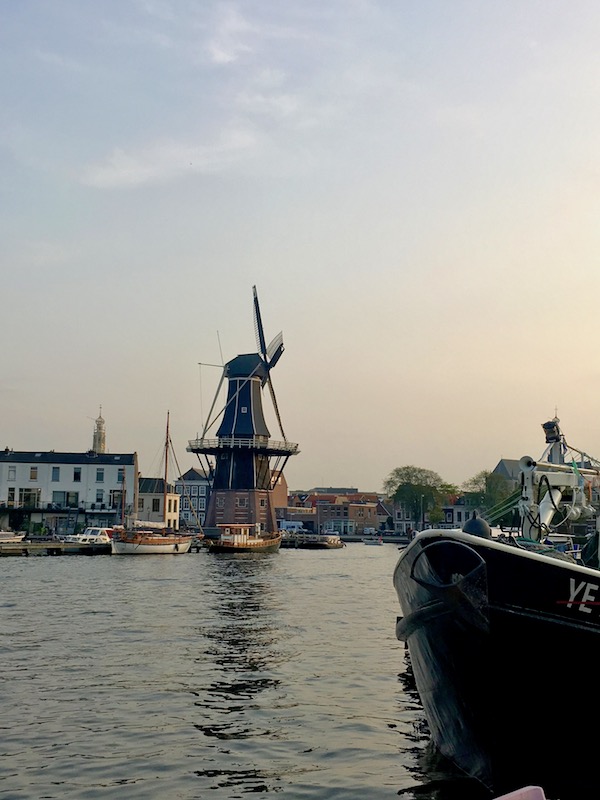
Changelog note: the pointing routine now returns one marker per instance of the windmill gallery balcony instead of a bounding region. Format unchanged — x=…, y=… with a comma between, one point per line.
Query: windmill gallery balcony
x=259, y=444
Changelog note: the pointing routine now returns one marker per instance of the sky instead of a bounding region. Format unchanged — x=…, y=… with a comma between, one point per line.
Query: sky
x=412, y=185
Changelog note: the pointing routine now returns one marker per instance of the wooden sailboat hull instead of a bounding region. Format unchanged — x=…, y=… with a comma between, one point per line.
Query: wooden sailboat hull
x=139, y=544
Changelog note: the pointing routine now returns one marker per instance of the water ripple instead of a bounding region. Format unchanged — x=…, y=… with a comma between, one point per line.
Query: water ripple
x=209, y=675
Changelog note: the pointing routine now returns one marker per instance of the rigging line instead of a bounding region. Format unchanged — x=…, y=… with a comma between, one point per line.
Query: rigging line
x=201, y=403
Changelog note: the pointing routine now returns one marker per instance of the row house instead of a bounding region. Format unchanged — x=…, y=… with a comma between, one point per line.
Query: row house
x=329, y=509
x=345, y=517
x=193, y=489
x=158, y=502
x=58, y=492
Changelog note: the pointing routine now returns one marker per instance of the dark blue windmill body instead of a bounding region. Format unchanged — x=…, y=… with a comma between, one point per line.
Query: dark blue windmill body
x=243, y=462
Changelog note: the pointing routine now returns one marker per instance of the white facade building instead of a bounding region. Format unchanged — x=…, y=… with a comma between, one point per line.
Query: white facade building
x=61, y=491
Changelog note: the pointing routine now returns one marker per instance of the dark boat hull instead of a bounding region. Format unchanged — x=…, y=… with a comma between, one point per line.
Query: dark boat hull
x=500, y=641
x=264, y=546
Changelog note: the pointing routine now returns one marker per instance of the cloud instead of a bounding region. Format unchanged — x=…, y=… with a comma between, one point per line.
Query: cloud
x=229, y=41
x=159, y=163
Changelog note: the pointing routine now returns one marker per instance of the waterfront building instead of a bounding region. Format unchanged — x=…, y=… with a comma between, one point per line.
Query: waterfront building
x=59, y=492
x=193, y=488
x=158, y=502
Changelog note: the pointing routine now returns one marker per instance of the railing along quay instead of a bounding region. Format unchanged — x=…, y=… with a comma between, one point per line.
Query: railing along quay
x=261, y=443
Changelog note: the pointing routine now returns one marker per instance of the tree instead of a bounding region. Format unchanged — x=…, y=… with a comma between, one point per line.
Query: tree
x=416, y=476
x=492, y=487
x=478, y=482
x=418, y=489
x=487, y=489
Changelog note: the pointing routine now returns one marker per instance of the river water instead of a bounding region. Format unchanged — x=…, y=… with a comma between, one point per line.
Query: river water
x=210, y=676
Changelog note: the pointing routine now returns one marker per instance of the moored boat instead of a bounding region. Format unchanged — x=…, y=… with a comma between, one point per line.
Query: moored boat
x=91, y=535
x=11, y=537
x=502, y=630
x=146, y=541
x=242, y=538
x=140, y=537
x=306, y=540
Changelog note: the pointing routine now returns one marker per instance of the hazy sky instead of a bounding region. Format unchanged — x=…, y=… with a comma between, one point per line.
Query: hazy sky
x=412, y=185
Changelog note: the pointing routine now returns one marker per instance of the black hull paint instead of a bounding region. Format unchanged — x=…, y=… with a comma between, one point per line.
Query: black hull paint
x=216, y=546
x=503, y=662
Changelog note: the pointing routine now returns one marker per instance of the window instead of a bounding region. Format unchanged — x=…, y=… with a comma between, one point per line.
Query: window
x=156, y=504
x=33, y=473
x=77, y=475
x=55, y=474
x=244, y=409
x=179, y=488
x=12, y=473
x=241, y=502
x=170, y=505
x=30, y=498
x=186, y=503
x=99, y=495
x=202, y=490
x=201, y=504
x=100, y=475
x=140, y=503
x=220, y=502
x=193, y=490
x=11, y=496
x=263, y=502
x=120, y=475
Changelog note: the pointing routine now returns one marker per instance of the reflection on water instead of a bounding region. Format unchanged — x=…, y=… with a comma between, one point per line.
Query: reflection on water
x=239, y=660
x=210, y=675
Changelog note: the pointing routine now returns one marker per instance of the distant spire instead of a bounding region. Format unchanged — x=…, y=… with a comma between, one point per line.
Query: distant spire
x=99, y=445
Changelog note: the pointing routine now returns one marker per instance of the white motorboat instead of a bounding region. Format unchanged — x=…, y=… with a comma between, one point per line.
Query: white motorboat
x=8, y=537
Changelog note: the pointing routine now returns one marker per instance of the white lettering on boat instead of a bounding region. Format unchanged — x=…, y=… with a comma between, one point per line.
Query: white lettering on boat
x=587, y=596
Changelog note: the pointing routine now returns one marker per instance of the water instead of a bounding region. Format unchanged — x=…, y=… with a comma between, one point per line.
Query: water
x=210, y=676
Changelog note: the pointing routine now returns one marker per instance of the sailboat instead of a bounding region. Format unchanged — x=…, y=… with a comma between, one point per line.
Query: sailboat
x=144, y=537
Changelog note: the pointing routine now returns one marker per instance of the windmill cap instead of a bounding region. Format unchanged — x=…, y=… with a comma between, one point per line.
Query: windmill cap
x=246, y=366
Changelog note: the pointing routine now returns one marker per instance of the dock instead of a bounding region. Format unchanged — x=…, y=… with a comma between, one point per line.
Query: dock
x=52, y=548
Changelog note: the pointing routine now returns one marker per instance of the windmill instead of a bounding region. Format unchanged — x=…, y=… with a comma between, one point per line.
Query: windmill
x=243, y=462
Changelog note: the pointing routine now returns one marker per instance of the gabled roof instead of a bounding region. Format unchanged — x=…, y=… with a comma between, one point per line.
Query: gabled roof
x=193, y=474
x=8, y=456
x=155, y=486
x=508, y=468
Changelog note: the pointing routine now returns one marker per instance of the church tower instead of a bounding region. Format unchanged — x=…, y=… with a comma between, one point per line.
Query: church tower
x=99, y=445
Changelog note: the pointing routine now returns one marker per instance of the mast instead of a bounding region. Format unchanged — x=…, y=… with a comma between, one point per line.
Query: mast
x=166, y=473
